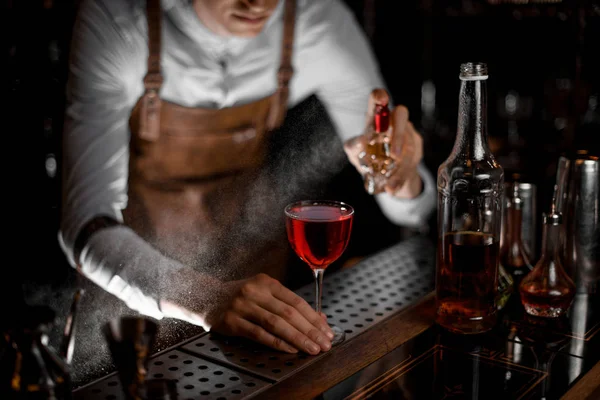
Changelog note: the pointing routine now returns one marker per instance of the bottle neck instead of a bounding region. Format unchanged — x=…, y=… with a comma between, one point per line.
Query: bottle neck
x=516, y=221
x=471, y=139
x=550, y=238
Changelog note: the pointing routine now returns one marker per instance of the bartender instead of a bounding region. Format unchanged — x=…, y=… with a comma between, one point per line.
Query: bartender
x=171, y=106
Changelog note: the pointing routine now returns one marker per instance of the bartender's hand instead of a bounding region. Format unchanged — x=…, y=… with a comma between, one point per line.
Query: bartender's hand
x=259, y=308
x=406, y=148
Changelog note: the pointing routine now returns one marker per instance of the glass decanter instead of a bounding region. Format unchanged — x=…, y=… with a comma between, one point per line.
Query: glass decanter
x=547, y=291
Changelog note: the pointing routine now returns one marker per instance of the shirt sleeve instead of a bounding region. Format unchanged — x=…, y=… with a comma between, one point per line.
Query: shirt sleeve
x=96, y=156
x=339, y=61
x=96, y=135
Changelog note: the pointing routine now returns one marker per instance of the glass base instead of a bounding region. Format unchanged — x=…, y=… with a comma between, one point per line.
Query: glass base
x=466, y=325
x=339, y=335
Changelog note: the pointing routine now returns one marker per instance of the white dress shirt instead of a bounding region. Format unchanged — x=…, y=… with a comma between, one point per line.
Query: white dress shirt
x=331, y=58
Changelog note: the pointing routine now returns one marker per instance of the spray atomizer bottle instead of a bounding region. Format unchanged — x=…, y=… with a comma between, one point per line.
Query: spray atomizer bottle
x=375, y=160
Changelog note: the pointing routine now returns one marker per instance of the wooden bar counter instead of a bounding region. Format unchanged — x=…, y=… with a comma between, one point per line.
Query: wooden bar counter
x=393, y=348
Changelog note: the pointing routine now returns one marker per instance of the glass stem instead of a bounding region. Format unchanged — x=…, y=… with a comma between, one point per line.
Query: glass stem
x=318, y=288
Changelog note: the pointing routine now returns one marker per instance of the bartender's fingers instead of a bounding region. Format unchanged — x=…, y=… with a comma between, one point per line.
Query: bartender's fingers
x=281, y=329
x=298, y=321
x=254, y=332
x=411, y=152
x=399, y=125
x=403, y=169
x=408, y=160
x=287, y=296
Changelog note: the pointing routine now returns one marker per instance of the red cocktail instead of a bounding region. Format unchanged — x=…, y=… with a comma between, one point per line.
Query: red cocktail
x=319, y=232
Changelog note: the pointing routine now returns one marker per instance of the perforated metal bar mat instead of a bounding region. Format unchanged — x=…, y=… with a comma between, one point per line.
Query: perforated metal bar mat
x=196, y=379
x=353, y=299
x=217, y=367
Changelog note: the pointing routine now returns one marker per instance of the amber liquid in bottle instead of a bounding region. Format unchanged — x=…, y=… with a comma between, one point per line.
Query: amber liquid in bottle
x=544, y=302
x=547, y=291
x=466, y=262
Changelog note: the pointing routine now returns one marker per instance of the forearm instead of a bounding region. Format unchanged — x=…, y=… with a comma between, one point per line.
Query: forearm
x=122, y=263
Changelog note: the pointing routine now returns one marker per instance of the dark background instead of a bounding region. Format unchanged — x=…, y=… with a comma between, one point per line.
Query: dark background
x=544, y=65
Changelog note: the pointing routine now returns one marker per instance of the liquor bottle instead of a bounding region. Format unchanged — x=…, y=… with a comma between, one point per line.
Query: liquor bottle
x=375, y=160
x=514, y=256
x=470, y=194
x=547, y=291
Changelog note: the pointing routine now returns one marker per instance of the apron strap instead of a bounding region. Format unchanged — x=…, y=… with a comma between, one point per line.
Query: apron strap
x=149, y=128
x=286, y=70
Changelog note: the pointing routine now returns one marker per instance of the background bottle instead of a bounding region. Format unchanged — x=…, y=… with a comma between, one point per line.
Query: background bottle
x=470, y=193
x=529, y=216
x=514, y=257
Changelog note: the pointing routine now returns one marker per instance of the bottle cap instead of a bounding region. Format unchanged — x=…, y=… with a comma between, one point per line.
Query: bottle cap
x=382, y=118
x=552, y=219
x=473, y=71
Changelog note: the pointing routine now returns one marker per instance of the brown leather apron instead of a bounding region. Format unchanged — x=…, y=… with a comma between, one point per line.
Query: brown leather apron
x=191, y=170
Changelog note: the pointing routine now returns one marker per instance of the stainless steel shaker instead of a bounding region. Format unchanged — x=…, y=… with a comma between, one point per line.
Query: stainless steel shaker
x=581, y=211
